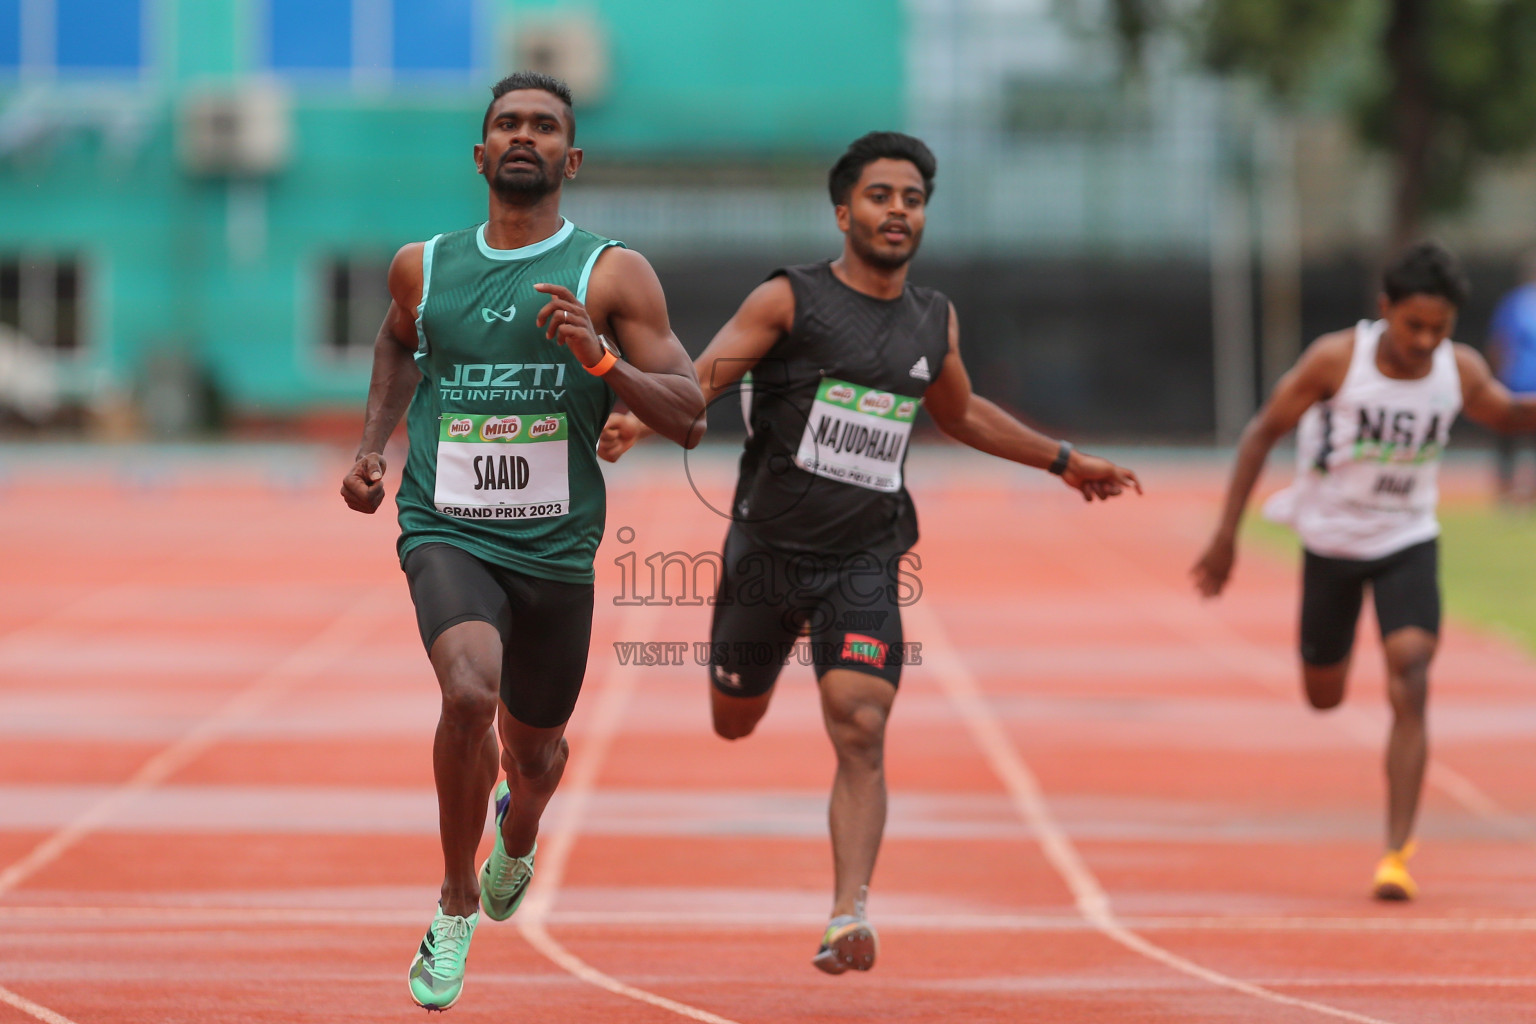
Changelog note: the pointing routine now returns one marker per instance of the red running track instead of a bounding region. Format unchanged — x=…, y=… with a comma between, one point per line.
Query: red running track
x=1109, y=803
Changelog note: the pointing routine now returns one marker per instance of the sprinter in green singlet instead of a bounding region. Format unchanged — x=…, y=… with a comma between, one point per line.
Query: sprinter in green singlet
x=508, y=343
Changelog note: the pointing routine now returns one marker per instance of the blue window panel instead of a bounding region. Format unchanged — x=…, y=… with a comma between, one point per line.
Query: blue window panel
x=434, y=35
x=10, y=34
x=311, y=34
x=94, y=34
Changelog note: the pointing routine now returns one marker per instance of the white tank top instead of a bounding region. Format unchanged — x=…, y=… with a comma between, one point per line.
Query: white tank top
x=1368, y=459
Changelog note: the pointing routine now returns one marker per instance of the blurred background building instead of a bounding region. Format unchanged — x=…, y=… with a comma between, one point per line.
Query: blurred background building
x=198, y=198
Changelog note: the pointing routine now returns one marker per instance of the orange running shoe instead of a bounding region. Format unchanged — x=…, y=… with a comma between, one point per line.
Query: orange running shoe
x=1392, y=879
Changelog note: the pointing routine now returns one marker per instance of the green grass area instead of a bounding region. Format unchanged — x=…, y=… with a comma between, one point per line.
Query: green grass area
x=1487, y=565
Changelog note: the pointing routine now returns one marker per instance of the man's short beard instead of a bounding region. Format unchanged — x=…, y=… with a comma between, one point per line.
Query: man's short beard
x=523, y=190
x=864, y=245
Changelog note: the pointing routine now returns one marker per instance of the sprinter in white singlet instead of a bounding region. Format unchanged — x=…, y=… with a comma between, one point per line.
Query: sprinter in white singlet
x=1375, y=404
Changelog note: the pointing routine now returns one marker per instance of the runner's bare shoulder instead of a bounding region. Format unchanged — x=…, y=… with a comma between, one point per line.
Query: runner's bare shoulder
x=1323, y=366
x=771, y=304
x=405, y=276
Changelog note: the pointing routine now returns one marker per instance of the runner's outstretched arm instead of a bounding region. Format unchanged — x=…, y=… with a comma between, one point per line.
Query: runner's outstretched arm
x=981, y=424
x=392, y=383
x=1487, y=401
x=1315, y=377
x=654, y=378
x=765, y=314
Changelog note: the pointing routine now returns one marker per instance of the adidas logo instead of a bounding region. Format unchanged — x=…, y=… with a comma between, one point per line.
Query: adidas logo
x=920, y=369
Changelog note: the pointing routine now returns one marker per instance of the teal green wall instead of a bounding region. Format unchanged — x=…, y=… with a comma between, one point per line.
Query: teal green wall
x=156, y=246
x=372, y=169
x=804, y=75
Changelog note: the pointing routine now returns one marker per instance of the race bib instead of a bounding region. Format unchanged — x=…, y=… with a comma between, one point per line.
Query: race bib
x=857, y=435
x=1392, y=477
x=1386, y=487
x=502, y=467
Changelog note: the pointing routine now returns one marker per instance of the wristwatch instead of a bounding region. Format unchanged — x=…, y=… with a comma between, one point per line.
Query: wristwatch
x=1063, y=456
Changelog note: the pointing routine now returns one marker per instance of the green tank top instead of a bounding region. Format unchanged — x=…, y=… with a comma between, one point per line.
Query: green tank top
x=503, y=426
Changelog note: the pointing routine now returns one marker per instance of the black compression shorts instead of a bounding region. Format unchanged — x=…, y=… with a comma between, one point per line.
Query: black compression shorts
x=1405, y=585
x=847, y=604
x=545, y=625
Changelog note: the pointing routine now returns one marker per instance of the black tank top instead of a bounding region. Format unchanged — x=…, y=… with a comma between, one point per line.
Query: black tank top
x=829, y=411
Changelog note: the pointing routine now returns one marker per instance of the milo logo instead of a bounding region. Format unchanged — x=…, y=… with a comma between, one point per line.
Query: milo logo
x=841, y=393
x=548, y=425
x=905, y=410
x=503, y=427
x=461, y=428
x=877, y=402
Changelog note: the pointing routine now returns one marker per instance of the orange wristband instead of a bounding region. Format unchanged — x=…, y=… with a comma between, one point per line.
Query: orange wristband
x=603, y=365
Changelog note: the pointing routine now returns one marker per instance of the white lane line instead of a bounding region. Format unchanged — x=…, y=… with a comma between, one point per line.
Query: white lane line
x=27, y=1006
x=33, y=1009
x=555, y=849
x=1420, y=982
x=942, y=660
x=288, y=809
x=334, y=641
x=1117, y=984
x=1452, y=783
x=1244, y=658
x=318, y=654
x=70, y=613
x=128, y=918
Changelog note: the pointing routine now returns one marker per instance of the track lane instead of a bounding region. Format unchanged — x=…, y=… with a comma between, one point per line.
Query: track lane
x=713, y=896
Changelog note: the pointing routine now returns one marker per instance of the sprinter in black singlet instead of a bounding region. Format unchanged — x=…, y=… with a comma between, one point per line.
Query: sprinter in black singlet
x=841, y=356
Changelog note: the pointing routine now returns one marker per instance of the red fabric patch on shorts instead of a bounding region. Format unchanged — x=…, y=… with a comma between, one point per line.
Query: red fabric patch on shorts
x=858, y=647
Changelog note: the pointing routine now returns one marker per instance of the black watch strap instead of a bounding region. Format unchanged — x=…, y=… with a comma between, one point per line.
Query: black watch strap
x=1063, y=456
